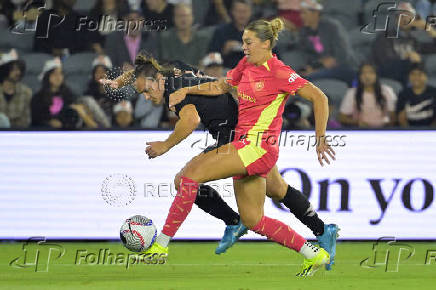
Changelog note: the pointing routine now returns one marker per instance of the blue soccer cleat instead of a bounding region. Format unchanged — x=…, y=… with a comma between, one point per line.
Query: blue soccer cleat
x=231, y=236
x=327, y=241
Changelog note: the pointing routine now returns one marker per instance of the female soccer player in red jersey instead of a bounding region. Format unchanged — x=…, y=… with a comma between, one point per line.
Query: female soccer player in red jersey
x=264, y=84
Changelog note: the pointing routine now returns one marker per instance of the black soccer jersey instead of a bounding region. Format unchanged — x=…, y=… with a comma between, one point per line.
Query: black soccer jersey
x=218, y=114
x=420, y=109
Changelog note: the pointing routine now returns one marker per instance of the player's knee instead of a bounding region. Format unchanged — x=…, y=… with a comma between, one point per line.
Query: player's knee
x=251, y=220
x=277, y=191
x=193, y=173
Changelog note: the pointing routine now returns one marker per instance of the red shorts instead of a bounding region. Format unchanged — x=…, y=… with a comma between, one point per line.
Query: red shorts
x=257, y=159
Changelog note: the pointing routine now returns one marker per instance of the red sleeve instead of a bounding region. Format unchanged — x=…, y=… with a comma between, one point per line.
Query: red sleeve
x=288, y=81
x=234, y=75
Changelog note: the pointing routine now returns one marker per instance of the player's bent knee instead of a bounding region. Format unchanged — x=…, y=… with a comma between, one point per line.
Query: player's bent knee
x=277, y=191
x=250, y=221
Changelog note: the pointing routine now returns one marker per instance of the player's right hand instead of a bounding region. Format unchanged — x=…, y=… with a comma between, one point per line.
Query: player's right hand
x=111, y=83
x=176, y=97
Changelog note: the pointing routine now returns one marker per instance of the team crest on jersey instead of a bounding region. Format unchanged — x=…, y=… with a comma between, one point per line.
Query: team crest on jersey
x=259, y=85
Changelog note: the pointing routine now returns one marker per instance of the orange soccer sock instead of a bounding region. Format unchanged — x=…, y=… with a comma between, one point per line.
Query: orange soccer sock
x=181, y=206
x=279, y=232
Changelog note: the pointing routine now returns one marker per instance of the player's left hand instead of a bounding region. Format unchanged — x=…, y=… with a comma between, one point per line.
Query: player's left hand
x=155, y=149
x=324, y=150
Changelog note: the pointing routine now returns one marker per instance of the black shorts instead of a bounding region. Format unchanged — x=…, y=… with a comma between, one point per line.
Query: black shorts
x=222, y=136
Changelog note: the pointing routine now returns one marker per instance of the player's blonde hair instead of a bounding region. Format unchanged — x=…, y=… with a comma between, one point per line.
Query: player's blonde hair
x=267, y=30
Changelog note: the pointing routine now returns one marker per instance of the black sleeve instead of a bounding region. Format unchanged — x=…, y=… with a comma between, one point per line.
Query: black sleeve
x=189, y=100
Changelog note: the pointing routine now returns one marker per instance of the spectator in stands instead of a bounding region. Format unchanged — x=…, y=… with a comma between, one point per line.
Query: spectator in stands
x=123, y=115
x=212, y=65
x=290, y=12
x=15, y=97
x=122, y=47
x=85, y=113
x=160, y=12
x=416, y=105
x=106, y=12
x=26, y=14
x=61, y=26
x=218, y=12
x=183, y=42
x=371, y=104
x=50, y=103
x=227, y=37
x=327, y=45
x=100, y=69
x=148, y=113
x=395, y=55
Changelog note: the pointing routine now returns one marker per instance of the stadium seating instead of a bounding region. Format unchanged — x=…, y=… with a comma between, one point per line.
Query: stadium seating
x=395, y=85
x=200, y=8
x=334, y=89
x=361, y=43
x=35, y=62
x=345, y=11
x=77, y=82
x=294, y=58
x=79, y=63
x=430, y=63
x=32, y=81
x=23, y=43
x=84, y=5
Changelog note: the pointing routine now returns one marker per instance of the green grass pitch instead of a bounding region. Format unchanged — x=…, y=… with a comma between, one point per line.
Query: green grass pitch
x=193, y=265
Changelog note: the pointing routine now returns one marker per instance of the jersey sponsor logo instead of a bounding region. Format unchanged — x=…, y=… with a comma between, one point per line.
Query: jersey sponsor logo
x=259, y=85
x=293, y=77
x=246, y=97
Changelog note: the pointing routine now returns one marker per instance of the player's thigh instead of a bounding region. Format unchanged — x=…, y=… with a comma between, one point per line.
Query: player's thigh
x=217, y=164
x=276, y=186
x=250, y=197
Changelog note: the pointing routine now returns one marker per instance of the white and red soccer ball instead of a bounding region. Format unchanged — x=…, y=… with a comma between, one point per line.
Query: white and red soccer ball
x=138, y=233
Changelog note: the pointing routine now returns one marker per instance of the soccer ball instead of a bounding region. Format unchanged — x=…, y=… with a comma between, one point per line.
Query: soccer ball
x=138, y=233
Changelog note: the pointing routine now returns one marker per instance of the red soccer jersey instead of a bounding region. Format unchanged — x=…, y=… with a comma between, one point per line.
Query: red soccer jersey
x=262, y=94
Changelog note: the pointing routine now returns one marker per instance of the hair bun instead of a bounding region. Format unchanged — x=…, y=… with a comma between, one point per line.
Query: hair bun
x=277, y=25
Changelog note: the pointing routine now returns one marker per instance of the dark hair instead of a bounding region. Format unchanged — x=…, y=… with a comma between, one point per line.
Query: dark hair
x=418, y=66
x=380, y=100
x=6, y=69
x=93, y=88
x=246, y=2
x=146, y=65
x=45, y=88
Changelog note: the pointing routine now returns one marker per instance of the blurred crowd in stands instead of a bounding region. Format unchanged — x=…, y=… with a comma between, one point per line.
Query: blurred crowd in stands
x=53, y=52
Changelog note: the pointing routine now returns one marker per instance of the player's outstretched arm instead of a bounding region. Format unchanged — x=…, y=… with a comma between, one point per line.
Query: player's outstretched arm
x=188, y=122
x=121, y=81
x=215, y=88
x=321, y=112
